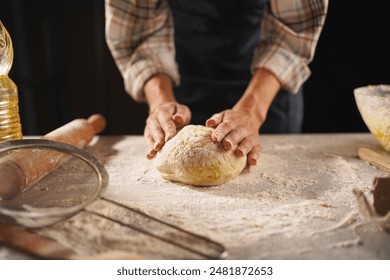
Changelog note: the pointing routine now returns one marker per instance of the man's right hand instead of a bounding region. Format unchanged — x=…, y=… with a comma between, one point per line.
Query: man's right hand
x=165, y=114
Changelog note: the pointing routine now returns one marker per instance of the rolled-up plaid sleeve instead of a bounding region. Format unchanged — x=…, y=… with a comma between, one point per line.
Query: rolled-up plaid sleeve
x=290, y=32
x=139, y=34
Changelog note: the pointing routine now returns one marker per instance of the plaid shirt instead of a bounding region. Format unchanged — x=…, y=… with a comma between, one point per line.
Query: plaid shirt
x=140, y=37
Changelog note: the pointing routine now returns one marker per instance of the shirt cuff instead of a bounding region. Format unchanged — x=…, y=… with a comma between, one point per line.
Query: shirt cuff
x=142, y=69
x=291, y=70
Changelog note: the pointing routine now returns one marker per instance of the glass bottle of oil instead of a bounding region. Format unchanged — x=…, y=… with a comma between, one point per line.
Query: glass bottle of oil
x=10, y=127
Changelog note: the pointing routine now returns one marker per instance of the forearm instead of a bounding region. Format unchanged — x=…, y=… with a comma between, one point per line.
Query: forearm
x=259, y=95
x=139, y=35
x=158, y=91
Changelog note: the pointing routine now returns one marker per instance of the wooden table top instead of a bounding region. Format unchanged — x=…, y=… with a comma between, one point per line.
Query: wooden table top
x=297, y=203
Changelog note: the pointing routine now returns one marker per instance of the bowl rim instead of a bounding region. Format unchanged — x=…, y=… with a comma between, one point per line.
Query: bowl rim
x=372, y=89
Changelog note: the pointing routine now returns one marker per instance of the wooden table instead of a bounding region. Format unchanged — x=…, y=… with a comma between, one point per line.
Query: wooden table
x=297, y=203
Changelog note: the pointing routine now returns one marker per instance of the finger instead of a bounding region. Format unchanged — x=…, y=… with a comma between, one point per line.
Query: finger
x=182, y=116
x=166, y=123
x=169, y=128
x=156, y=133
x=245, y=146
x=234, y=138
x=149, y=142
x=148, y=139
x=221, y=131
x=152, y=153
x=215, y=120
x=254, y=155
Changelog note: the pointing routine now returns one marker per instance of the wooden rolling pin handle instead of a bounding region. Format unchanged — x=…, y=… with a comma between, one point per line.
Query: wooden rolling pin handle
x=78, y=132
x=98, y=123
x=26, y=168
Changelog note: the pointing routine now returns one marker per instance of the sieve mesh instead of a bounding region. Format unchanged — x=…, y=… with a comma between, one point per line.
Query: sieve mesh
x=42, y=182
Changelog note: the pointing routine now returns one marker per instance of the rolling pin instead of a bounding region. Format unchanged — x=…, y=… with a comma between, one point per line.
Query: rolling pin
x=22, y=169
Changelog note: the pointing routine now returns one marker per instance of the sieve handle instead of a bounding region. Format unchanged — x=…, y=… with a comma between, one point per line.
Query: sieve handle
x=25, y=168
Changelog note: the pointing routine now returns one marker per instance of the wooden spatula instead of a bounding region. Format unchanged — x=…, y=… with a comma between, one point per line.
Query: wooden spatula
x=379, y=159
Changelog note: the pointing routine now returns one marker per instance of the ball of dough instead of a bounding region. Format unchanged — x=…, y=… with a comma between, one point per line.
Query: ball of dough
x=191, y=157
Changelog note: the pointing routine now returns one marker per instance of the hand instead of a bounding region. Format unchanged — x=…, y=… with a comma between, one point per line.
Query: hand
x=165, y=114
x=162, y=125
x=237, y=130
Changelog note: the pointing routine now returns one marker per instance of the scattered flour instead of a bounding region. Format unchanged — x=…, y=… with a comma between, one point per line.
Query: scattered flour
x=295, y=203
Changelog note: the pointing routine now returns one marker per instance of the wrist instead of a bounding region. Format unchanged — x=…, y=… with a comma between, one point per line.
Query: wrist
x=259, y=94
x=158, y=91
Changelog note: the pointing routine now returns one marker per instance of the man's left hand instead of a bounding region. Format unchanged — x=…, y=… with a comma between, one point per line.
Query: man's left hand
x=237, y=130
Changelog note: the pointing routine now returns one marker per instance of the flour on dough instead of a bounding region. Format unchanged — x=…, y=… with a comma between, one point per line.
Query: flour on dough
x=191, y=157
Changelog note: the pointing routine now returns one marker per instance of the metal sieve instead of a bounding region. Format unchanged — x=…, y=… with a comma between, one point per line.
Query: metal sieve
x=43, y=182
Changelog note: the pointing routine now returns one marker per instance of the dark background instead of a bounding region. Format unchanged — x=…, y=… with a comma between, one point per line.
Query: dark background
x=64, y=69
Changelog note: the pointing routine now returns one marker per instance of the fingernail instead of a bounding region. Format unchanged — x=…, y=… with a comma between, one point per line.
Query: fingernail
x=252, y=161
x=157, y=146
x=210, y=123
x=227, y=145
x=151, y=154
x=178, y=119
x=240, y=152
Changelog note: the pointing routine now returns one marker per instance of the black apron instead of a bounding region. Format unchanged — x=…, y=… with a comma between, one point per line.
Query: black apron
x=215, y=41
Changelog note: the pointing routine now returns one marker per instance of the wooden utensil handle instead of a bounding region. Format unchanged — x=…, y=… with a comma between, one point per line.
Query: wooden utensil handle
x=45, y=248
x=26, y=167
x=78, y=132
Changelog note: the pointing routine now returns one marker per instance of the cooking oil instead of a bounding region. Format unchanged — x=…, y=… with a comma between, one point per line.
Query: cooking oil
x=10, y=127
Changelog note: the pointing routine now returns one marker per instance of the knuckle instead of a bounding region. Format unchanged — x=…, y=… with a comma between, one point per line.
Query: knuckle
x=216, y=116
x=226, y=126
x=247, y=144
x=150, y=120
x=170, y=129
x=237, y=135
